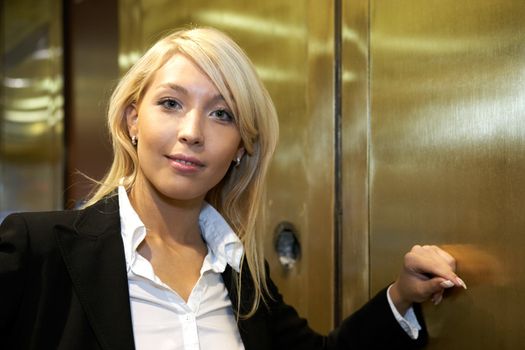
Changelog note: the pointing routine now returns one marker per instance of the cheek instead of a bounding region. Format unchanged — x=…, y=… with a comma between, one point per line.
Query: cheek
x=150, y=150
x=222, y=167
x=225, y=159
x=154, y=136
x=226, y=151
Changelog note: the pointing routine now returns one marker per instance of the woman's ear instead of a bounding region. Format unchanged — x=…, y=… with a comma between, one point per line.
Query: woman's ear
x=240, y=152
x=132, y=119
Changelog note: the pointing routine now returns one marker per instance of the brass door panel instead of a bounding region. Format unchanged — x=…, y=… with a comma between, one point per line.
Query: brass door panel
x=447, y=157
x=291, y=44
x=354, y=158
x=31, y=107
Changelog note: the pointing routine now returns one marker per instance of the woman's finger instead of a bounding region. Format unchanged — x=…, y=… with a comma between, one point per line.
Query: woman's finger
x=432, y=261
x=451, y=261
x=437, y=298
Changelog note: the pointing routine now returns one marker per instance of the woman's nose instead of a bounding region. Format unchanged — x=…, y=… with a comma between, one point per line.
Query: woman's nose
x=190, y=128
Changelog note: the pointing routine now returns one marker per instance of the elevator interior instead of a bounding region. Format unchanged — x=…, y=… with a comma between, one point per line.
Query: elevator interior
x=402, y=122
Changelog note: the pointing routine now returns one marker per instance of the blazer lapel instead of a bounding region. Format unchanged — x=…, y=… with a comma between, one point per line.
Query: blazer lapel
x=252, y=330
x=94, y=255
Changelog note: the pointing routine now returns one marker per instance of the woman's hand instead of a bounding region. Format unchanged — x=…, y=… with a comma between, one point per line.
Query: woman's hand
x=427, y=272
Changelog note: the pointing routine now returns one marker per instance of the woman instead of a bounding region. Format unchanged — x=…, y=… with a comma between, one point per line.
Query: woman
x=167, y=252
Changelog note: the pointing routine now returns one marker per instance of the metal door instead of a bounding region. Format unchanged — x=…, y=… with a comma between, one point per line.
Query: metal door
x=435, y=98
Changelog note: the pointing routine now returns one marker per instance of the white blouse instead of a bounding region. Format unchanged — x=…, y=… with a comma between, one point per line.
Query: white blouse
x=162, y=320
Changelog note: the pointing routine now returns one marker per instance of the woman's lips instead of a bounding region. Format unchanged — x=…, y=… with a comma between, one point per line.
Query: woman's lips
x=185, y=164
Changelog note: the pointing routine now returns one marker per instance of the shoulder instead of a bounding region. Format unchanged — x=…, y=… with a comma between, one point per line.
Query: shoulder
x=41, y=220
x=37, y=229
x=32, y=233
x=18, y=225
x=105, y=207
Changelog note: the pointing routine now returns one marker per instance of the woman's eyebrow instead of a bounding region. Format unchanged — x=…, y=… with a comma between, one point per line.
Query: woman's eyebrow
x=217, y=98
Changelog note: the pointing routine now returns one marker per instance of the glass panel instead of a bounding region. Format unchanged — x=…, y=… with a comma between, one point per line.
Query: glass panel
x=31, y=119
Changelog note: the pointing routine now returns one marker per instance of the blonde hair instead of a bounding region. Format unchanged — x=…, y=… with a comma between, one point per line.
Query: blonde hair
x=239, y=195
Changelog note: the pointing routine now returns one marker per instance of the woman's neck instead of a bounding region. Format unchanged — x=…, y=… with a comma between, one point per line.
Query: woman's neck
x=172, y=221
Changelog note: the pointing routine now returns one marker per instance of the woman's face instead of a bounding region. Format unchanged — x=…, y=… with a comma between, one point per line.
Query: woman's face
x=187, y=137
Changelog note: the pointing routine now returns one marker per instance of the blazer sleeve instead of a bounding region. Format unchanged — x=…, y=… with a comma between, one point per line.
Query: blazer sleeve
x=373, y=326
x=13, y=248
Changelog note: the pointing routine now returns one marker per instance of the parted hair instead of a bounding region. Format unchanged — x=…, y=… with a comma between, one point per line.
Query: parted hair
x=239, y=195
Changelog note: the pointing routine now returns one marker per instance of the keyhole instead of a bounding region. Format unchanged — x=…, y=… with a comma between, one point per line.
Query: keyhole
x=287, y=245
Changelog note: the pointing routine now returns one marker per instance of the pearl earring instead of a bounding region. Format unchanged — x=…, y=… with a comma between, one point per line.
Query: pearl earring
x=134, y=140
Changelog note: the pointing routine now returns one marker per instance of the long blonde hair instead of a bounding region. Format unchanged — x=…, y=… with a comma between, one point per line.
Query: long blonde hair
x=239, y=195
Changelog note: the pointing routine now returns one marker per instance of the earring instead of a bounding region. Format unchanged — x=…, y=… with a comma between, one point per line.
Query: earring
x=237, y=161
x=134, y=140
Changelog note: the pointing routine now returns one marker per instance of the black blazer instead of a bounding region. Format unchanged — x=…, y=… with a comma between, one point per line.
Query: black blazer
x=63, y=285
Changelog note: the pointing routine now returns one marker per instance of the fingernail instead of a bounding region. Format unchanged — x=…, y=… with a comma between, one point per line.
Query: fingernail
x=438, y=299
x=447, y=284
x=461, y=283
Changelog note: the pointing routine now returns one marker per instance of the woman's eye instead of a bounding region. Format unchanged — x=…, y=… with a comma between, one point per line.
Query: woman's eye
x=222, y=115
x=169, y=103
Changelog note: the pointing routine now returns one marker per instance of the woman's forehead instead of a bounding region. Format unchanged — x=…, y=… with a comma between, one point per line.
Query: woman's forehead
x=180, y=73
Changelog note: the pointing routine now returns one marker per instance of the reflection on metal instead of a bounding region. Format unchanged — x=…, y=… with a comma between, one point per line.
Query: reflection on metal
x=353, y=31
x=126, y=60
x=31, y=123
x=277, y=75
x=482, y=267
x=17, y=83
x=291, y=45
x=257, y=25
x=355, y=117
x=447, y=157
